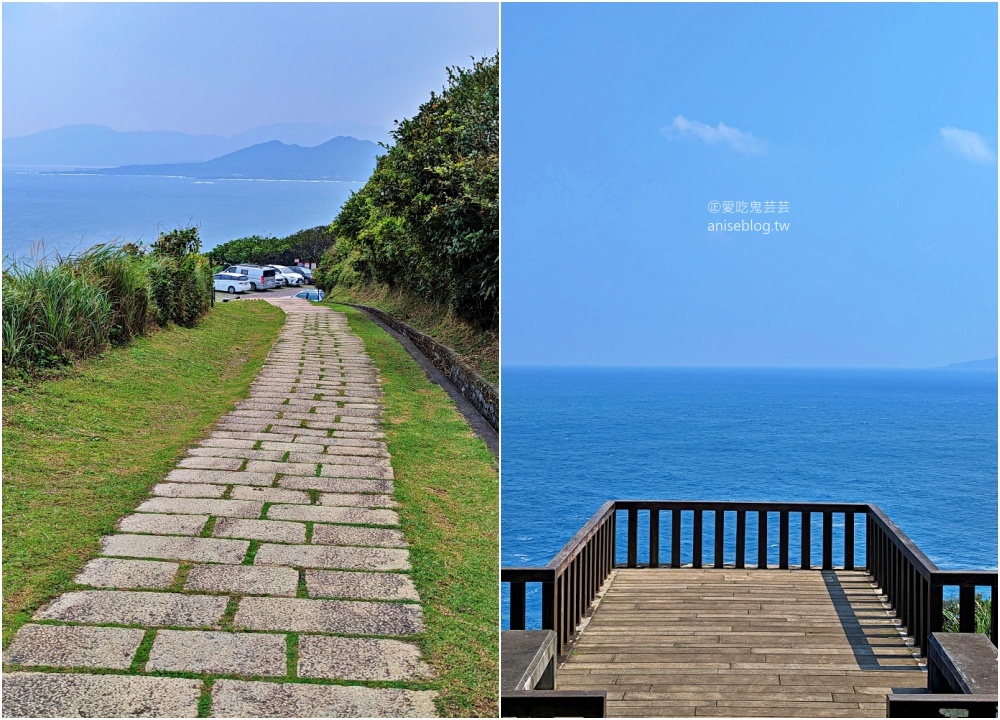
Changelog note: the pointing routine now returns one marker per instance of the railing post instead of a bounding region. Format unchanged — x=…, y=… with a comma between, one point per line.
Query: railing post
x=675, y=539
x=654, y=538
x=696, y=551
x=827, y=540
x=806, y=563
x=762, y=539
x=935, y=611
x=633, y=532
x=720, y=538
x=993, y=613
x=517, y=593
x=967, y=608
x=783, y=540
x=848, y=541
x=741, y=538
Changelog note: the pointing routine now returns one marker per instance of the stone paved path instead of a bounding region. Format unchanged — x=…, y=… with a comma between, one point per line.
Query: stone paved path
x=265, y=577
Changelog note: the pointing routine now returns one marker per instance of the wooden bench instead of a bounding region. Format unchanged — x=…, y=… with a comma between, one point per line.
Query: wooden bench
x=528, y=680
x=961, y=676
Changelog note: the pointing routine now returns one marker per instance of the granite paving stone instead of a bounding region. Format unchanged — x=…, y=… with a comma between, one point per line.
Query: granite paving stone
x=236, y=698
x=58, y=695
x=360, y=659
x=360, y=585
x=273, y=530
x=355, y=535
x=355, y=471
x=285, y=468
x=210, y=463
x=253, y=437
x=130, y=607
x=220, y=477
x=338, y=459
x=359, y=485
x=333, y=556
x=225, y=508
x=74, y=646
x=243, y=580
x=240, y=453
x=271, y=495
x=189, y=490
x=357, y=500
x=156, y=524
x=115, y=573
x=317, y=513
x=176, y=548
x=351, y=617
x=225, y=653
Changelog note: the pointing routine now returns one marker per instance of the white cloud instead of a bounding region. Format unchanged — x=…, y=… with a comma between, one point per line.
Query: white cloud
x=968, y=144
x=738, y=140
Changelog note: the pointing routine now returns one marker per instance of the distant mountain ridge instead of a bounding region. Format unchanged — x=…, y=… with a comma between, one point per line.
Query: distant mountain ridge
x=94, y=146
x=987, y=364
x=340, y=158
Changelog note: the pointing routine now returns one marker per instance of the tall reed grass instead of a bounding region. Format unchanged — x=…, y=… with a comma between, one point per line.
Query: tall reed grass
x=59, y=310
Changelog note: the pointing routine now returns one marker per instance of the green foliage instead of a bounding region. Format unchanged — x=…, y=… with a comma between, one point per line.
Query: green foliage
x=73, y=308
x=180, y=278
x=983, y=610
x=427, y=221
x=305, y=245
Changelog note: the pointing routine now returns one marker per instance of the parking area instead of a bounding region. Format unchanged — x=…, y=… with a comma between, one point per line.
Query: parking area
x=261, y=294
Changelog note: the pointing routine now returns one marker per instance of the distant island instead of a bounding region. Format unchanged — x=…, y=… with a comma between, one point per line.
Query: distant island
x=987, y=364
x=341, y=158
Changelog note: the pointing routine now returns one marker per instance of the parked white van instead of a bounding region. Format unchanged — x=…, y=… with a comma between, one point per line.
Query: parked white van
x=260, y=278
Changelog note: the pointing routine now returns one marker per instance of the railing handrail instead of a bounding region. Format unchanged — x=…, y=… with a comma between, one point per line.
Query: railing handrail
x=577, y=542
x=977, y=578
x=737, y=505
x=921, y=563
x=526, y=574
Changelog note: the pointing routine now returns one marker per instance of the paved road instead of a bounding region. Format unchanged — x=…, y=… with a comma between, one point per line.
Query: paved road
x=266, y=576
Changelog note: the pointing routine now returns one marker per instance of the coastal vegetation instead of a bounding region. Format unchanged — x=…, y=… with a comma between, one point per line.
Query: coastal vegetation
x=305, y=245
x=447, y=486
x=57, y=312
x=984, y=607
x=478, y=347
x=83, y=450
x=427, y=221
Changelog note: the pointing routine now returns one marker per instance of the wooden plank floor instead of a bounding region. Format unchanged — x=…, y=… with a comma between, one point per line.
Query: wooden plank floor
x=741, y=643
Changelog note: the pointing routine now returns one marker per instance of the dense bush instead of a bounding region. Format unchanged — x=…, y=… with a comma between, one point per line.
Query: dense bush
x=180, y=278
x=427, y=221
x=72, y=308
x=305, y=246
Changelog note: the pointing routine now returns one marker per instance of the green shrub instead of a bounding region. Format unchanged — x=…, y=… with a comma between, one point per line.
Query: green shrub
x=180, y=278
x=427, y=221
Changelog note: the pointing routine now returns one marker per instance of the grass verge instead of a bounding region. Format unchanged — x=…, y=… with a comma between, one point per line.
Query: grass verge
x=479, y=348
x=447, y=485
x=983, y=612
x=85, y=449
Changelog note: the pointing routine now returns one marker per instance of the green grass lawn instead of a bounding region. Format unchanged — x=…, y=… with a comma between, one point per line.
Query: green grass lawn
x=448, y=488
x=83, y=450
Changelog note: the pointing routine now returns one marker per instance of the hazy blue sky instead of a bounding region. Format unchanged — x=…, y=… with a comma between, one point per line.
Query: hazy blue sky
x=225, y=67
x=877, y=124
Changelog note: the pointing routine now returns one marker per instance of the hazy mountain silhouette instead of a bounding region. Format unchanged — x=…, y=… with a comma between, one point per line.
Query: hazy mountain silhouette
x=341, y=158
x=987, y=364
x=90, y=146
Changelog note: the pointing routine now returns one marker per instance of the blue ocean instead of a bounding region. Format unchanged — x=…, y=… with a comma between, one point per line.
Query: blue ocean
x=921, y=444
x=73, y=212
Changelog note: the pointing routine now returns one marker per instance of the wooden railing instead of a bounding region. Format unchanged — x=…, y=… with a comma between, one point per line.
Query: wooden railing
x=911, y=583
x=571, y=581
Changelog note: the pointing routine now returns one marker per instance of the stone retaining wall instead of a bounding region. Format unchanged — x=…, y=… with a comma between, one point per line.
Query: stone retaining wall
x=483, y=396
